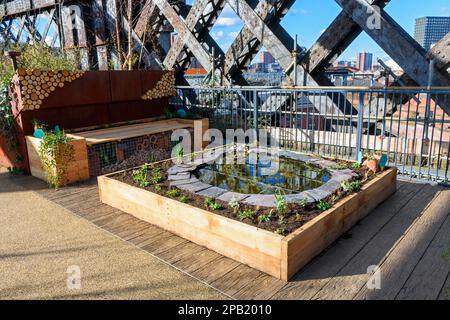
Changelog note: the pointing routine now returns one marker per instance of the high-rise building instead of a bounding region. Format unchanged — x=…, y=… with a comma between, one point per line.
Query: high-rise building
x=364, y=61
x=429, y=30
x=266, y=58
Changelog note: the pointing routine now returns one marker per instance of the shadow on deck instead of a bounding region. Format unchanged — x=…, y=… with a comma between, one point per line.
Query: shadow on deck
x=407, y=238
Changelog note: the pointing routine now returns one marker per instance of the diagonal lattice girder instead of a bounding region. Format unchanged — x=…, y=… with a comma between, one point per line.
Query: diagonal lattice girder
x=440, y=53
x=200, y=21
x=246, y=45
x=336, y=38
x=397, y=43
x=282, y=54
x=183, y=31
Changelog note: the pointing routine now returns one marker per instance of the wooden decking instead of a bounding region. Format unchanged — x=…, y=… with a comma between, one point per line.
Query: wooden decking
x=407, y=237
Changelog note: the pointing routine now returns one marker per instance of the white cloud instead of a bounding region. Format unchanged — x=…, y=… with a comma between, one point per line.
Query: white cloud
x=299, y=11
x=217, y=35
x=227, y=22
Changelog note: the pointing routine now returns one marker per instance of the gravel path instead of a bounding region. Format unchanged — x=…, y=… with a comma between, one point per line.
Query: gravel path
x=40, y=242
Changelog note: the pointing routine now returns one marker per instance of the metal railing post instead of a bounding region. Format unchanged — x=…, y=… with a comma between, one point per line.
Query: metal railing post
x=359, y=127
x=255, y=111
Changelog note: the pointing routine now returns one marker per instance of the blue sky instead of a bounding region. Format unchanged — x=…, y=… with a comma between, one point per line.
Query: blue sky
x=309, y=18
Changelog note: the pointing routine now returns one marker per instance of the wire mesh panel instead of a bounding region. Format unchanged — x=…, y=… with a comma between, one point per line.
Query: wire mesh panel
x=410, y=126
x=120, y=155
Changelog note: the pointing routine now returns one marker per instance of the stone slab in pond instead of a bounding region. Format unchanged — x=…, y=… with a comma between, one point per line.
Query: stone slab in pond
x=318, y=193
x=296, y=156
x=261, y=200
x=179, y=176
x=299, y=198
x=212, y=192
x=177, y=183
x=323, y=163
x=332, y=185
x=194, y=187
x=181, y=169
x=341, y=177
x=226, y=197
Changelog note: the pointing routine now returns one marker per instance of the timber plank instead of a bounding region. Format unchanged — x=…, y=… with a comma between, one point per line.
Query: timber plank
x=431, y=272
x=116, y=221
x=131, y=131
x=315, y=275
x=138, y=233
x=76, y=199
x=164, y=243
x=146, y=235
x=95, y=215
x=445, y=291
x=403, y=258
x=262, y=288
x=130, y=232
x=160, y=235
x=353, y=276
x=197, y=260
x=126, y=227
x=183, y=251
x=233, y=281
x=215, y=269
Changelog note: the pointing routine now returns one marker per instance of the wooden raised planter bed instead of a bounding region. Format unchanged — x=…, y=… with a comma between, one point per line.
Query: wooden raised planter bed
x=274, y=254
x=77, y=170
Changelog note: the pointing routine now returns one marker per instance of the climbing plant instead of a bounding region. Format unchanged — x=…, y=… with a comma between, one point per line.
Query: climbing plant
x=7, y=125
x=56, y=152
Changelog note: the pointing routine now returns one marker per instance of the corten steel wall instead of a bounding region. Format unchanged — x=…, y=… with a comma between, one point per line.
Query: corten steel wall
x=96, y=98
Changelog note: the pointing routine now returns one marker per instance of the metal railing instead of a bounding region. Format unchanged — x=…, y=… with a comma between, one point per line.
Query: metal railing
x=409, y=125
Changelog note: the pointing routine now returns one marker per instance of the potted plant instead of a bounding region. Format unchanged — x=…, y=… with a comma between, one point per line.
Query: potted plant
x=371, y=162
x=39, y=124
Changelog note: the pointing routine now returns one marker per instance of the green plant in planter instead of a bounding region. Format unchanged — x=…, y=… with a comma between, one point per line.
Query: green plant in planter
x=280, y=203
x=183, y=199
x=234, y=204
x=209, y=203
x=351, y=186
x=39, y=124
x=140, y=176
x=323, y=205
x=246, y=214
x=157, y=176
x=178, y=152
x=172, y=193
x=265, y=217
x=169, y=114
x=356, y=165
x=56, y=152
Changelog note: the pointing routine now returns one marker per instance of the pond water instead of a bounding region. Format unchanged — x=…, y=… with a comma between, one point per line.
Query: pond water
x=263, y=174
